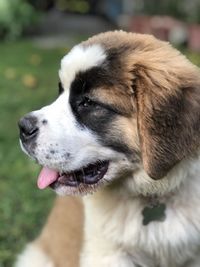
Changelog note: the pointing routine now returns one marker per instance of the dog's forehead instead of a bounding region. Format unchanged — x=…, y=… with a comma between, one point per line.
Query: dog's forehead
x=79, y=59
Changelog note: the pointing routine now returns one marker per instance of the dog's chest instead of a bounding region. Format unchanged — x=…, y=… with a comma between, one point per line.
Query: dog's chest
x=167, y=232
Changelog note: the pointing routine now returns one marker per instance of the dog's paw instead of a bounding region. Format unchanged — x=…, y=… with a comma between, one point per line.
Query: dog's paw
x=33, y=256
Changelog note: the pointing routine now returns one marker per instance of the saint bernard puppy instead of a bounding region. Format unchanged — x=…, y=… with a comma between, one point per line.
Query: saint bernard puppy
x=124, y=134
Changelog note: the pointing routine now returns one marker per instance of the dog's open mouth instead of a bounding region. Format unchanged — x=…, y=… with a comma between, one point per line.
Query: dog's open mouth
x=88, y=175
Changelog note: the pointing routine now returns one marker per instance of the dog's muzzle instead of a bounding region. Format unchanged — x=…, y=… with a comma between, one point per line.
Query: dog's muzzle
x=28, y=128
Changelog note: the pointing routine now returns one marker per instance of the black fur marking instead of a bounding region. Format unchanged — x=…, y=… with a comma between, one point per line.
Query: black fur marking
x=92, y=114
x=67, y=155
x=60, y=88
x=44, y=122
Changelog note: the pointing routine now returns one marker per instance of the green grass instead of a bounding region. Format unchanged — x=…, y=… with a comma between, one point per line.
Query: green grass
x=23, y=208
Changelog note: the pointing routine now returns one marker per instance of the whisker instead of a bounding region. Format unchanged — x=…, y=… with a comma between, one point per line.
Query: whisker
x=74, y=177
x=83, y=173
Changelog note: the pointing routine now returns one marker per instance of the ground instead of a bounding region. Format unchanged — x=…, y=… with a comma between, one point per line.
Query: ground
x=28, y=81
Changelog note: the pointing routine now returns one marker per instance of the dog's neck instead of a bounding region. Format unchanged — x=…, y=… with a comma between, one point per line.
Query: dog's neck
x=180, y=177
x=126, y=209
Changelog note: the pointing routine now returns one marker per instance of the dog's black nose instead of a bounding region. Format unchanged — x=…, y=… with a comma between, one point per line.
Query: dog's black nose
x=28, y=128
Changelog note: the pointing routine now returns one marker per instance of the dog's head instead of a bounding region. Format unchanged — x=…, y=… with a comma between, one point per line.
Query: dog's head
x=127, y=103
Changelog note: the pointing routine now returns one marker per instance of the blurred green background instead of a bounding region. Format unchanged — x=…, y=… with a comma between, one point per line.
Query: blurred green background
x=34, y=37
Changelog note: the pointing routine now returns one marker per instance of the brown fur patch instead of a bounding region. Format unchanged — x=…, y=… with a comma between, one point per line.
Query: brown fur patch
x=168, y=103
x=119, y=99
x=128, y=133
x=61, y=237
x=166, y=87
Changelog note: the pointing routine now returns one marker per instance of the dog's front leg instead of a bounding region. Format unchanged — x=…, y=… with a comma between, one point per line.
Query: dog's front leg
x=100, y=253
x=116, y=258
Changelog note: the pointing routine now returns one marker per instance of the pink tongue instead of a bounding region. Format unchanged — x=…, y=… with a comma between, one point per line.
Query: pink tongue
x=46, y=177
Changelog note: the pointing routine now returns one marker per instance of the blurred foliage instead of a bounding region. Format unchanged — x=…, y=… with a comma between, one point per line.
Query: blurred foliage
x=42, y=5
x=18, y=16
x=15, y=17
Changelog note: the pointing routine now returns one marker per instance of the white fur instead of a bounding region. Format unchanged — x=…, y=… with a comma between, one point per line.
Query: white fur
x=79, y=59
x=33, y=256
x=114, y=223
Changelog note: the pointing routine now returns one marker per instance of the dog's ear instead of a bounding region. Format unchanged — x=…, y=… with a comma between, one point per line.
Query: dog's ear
x=168, y=113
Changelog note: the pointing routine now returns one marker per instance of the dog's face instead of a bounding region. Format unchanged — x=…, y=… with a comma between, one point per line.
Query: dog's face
x=118, y=113
x=83, y=133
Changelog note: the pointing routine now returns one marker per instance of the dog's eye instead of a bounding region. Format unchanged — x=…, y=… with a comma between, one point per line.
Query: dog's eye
x=60, y=88
x=86, y=102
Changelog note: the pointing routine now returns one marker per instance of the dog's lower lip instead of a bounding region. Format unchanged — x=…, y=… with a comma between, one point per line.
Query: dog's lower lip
x=89, y=175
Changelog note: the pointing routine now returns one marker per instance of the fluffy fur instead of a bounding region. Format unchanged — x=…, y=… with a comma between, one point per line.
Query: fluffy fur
x=33, y=256
x=134, y=101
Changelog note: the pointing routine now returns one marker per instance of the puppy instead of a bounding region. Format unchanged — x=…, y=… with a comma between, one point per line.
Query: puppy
x=125, y=134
